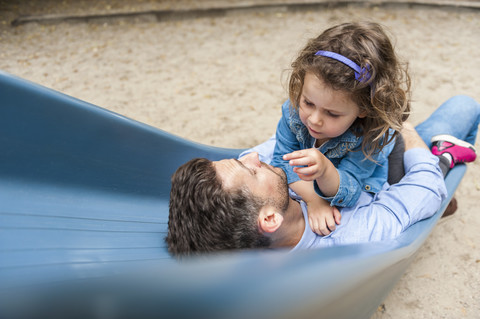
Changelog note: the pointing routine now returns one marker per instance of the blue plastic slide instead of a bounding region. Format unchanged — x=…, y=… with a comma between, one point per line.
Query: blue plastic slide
x=83, y=216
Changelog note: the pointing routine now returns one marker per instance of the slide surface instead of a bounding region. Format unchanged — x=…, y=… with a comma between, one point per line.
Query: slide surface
x=83, y=216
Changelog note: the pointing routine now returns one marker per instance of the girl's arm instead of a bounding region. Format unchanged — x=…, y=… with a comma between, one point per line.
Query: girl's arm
x=342, y=186
x=357, y=174
x=322, y=217
x=318, y=168
x=286, y=142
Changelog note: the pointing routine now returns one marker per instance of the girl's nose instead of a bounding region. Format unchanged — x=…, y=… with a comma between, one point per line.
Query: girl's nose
x=251, y=159
x=316, y=118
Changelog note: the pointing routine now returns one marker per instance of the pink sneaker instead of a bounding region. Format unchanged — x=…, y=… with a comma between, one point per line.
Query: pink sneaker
x=461, y=151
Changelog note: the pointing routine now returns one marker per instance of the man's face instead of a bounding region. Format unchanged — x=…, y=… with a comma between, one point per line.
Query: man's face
x=264, y=181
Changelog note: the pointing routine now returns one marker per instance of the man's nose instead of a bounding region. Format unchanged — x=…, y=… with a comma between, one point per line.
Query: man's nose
x=252, y=159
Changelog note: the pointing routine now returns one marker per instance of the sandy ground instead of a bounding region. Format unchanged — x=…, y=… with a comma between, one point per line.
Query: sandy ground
x=221, y=81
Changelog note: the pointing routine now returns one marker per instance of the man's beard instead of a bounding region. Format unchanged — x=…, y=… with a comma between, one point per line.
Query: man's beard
x=281, y=201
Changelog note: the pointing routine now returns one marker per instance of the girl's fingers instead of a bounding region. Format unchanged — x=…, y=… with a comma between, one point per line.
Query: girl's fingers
x=310, y=170
x=307, y=178
x=337, y=215
x=313, y=224
x=303, y=161
x=293, y=155
x=323, y=229
x=330, y=221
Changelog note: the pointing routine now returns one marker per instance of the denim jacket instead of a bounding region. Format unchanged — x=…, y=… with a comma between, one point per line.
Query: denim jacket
x=356, y=172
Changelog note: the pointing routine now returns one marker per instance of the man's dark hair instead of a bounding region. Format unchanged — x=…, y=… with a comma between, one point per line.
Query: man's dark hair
x=204, y=217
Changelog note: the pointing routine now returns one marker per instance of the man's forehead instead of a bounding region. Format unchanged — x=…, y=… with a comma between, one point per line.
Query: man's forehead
x=230, y=172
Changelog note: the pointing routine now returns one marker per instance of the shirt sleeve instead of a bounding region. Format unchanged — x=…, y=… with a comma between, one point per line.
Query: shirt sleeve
x=417, y=196
x=286, y=142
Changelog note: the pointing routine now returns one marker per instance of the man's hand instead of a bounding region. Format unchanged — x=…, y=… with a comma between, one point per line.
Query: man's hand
x=322, y=217
x=411, y=137
x=312, y=159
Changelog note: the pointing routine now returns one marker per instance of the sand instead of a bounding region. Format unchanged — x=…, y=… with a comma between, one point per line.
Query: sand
x=220, y=80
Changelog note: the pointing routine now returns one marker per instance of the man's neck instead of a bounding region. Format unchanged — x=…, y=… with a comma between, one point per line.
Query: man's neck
x=292, y=228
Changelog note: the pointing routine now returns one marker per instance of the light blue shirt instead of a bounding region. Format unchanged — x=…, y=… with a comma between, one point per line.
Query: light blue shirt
x=386, y=214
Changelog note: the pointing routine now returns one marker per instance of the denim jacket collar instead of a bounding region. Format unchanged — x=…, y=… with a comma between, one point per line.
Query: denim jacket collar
x=335, y=147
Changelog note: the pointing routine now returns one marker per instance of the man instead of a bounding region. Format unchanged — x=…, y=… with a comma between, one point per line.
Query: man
x=239, y=204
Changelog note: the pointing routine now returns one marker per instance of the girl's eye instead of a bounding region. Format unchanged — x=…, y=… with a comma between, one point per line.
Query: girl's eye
x=333, y=115
x=253, y=171
x=308, y=103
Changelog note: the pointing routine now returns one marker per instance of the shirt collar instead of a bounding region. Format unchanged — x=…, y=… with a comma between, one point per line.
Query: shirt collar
x=308, y=236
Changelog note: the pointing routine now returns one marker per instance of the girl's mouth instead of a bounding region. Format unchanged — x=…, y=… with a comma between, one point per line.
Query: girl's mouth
x=313, y=131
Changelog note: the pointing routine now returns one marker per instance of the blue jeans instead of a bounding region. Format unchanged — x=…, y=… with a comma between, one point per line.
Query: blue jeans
x=458, y=116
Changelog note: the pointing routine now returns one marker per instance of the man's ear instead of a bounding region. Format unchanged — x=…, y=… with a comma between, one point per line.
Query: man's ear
x=269, y=219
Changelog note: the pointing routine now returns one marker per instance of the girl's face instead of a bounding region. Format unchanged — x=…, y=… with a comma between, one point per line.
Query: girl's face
x=327, y=113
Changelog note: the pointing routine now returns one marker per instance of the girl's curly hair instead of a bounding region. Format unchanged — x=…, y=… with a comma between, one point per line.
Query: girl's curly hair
x=384, y=97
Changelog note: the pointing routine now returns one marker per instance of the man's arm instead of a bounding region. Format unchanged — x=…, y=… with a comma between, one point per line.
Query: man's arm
x=417, y=196
x=411, y=137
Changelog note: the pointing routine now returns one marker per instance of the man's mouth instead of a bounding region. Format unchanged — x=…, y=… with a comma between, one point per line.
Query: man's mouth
x=276, y=170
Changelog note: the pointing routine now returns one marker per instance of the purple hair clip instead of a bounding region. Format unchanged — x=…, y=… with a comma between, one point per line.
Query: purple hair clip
x=361, y=74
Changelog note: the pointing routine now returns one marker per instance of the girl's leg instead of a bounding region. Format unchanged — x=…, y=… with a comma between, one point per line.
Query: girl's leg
x=444, y=165
x=395, y=161
x=459, y=116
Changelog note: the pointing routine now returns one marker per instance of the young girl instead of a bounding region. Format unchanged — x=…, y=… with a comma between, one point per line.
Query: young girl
x=348, y=97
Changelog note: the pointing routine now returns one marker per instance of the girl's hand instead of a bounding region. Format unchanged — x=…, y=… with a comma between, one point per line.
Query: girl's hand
x=322, y=217
x=312, y=161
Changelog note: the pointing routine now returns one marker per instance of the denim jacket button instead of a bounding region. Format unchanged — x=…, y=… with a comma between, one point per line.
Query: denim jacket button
x=367, y=187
